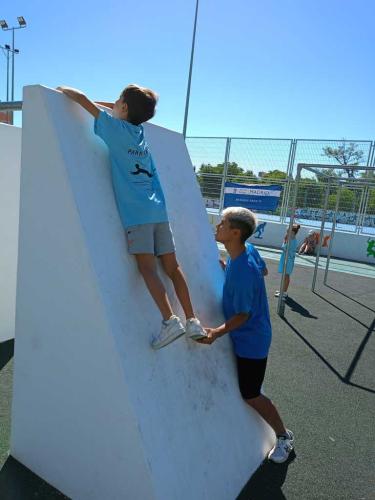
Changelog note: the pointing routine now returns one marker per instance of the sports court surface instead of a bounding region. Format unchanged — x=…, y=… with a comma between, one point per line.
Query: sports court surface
x=320, y=375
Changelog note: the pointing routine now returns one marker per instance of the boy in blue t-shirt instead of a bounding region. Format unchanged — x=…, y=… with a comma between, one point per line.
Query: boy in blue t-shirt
x=140, y=202
x=247, y=319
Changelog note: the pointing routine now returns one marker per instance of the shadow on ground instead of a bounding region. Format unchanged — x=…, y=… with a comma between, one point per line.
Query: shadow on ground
x=346, y=379
x=266, y=482
x=298, y=308
x=6, y=352
x=19, y=483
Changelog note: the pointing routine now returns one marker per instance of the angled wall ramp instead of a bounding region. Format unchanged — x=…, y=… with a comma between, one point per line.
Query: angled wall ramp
x=96, y=412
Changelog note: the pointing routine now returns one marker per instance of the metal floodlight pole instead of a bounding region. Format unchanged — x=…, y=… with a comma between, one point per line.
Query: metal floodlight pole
x=281, y=303
x=190, y=72
x=8, y=57
x=333, y=229
x=321, y=233
x=4, y=27
x=8, y=50
x=12, y=64
x=225, y=174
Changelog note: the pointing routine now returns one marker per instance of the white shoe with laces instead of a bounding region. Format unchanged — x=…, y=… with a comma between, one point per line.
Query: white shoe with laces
x=194, y=329
x=277, y=294
x=281, y=451
x=171, y=330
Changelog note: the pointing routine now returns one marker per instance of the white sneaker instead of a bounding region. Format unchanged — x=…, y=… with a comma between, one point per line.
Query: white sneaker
x=277, y=294
x=171, y=330
x=284, y=445
x=194, y=329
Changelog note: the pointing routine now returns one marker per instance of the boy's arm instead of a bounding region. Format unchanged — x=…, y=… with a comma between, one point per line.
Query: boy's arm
x=234, y=322
x=80, y=98
x=108, y=105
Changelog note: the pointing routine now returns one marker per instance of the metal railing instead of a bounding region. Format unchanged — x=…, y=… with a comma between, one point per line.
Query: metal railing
x=217, y=160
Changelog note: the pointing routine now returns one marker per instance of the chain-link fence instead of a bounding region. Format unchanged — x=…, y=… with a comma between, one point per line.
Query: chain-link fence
x=274, y=162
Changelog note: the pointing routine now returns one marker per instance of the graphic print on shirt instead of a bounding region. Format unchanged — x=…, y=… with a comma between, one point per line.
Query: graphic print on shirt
x=139, y=170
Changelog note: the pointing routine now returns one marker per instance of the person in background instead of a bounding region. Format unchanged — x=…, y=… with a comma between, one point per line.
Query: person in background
x=290, y=259
x=308, y=245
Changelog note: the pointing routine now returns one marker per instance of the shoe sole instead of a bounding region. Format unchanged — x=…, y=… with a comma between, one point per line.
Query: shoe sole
x=197, y=336
x=168, y=341
x=279, y=461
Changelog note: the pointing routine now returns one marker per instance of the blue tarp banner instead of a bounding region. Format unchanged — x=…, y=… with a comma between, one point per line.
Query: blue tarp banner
x=253, y=196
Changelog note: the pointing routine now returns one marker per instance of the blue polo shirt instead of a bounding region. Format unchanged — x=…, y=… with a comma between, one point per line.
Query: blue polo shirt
x=139, y=196
x=245, y=292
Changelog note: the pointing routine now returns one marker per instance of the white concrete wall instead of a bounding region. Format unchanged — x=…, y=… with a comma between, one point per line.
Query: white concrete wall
x=345, y=245
x=96, y=412
x=10, y=162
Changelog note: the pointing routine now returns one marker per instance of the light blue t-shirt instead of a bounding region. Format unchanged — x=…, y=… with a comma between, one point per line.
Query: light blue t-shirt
x=245, y=292
x=139, y=196
x=293, y=245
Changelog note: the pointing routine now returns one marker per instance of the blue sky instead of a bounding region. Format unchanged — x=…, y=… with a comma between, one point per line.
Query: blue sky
x=276, y=68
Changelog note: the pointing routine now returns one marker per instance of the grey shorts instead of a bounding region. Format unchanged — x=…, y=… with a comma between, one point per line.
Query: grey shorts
x=156, y=239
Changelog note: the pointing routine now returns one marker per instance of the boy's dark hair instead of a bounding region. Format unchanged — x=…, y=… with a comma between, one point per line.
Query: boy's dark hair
x=295, y=228
x=141, y=103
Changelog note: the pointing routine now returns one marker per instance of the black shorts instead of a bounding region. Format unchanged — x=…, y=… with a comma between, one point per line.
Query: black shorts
x=250, y=376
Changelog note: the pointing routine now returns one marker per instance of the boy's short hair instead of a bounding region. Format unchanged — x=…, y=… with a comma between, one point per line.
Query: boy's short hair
x=141, y=103
x=242, y=219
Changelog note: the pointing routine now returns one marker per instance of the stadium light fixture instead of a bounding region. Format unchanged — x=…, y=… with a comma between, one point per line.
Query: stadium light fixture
x=21, y=21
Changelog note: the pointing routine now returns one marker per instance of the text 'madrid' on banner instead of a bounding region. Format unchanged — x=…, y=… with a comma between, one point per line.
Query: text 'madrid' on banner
x=252, y=196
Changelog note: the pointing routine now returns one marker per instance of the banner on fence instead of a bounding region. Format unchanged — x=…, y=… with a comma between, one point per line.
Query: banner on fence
x=253, y=196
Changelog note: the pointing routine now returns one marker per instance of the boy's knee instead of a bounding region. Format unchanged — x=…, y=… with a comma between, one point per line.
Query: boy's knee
x=252, y=401
x=145, y=267
x=171, y=270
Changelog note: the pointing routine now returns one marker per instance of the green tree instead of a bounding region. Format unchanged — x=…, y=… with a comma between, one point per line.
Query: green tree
x=348, y=200
x=274, y=174
x=347, y=155
x=210, y=177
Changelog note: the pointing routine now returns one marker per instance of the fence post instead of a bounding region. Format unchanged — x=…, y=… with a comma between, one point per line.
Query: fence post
x=328, y=188
x=333, y=229
x=366, y=199
x=225, y=174
x=371, y=155
x=289, y=173
x=281, y=302
x=360, y=210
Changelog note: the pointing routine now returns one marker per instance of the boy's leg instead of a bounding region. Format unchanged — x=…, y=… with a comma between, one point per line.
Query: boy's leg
x=286, y=282
x=147, y=267
x=174, y=272
x=250, y=378
x=251, y=374
x=165, y=250
x=268, y=411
